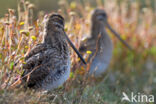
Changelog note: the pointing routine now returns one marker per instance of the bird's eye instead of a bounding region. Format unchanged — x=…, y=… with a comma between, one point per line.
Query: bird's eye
x=61, y=22
x=104, y=15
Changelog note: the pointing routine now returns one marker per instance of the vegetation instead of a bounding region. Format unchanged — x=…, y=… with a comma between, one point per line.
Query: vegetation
x=129, y=71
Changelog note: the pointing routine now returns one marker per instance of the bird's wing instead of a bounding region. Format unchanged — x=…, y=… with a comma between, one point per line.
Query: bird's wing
x=39, y=66
x=35, y=50
x=83, y=46
x=38, y=48
x=34, y=61
x=89, y=44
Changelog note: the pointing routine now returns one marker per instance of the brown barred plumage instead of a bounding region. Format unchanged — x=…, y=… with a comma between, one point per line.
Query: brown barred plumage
x=48, y=63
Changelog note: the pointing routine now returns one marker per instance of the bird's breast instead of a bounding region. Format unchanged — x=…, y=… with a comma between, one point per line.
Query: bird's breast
x=101, y=58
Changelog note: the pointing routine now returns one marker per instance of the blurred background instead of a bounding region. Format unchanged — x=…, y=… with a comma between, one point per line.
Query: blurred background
x=48, y=5
x=21, y=28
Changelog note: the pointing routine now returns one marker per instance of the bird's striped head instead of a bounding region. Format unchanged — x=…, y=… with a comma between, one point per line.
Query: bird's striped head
x=99, y=15
x=55, y=20
x=99, y=21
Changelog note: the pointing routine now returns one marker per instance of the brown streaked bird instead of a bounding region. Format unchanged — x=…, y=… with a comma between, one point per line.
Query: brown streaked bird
x=48, y=63
x=100, y=44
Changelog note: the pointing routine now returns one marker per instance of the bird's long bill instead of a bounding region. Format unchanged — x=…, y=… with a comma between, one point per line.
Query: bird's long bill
x=77, y=52
x=118, y=36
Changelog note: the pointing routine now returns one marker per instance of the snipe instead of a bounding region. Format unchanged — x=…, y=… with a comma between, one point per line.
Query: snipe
x=48, y=63
x=100, y=44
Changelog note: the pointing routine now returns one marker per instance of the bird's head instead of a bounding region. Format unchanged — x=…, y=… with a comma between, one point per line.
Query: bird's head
x=99, y=16
x=99, y=21
x=55, y=21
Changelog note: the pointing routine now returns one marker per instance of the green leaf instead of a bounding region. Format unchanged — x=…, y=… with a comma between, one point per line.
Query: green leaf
x=71, y=75
x=11, y=65
x=153, y=50
x=1, y=55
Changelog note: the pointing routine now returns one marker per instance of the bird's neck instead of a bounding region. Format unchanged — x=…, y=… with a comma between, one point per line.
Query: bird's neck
x=57, y=40
x=96, y=29
x=102, y=39
x=54, y=37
